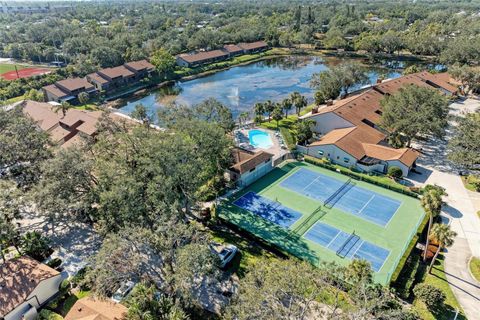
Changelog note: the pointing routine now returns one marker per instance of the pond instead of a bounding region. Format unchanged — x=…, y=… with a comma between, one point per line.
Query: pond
x=241, y=87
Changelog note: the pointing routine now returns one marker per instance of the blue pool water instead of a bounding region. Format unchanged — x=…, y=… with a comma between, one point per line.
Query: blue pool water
x=260, y=139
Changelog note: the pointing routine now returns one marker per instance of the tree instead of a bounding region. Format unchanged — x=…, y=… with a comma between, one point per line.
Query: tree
x=298, y=101
x=395, y=172
x=173, y=256
x=145, y=303
x=212, y=110
x=432, y=204
x=277, y=289
x=64, y=106
x=243, y=117
x=34, y=95
x=269, y=107
x=141, y=114
x=277, y=113
x=259, y=110
x=287, y=106
x=464, y=147
x=430, y=295
x=415, y=111
x=445, y=237
x=106, y=56
x=10, y=203
x=67, y=188
x=23, y=147
x=83, y=98
x=298, y=18
x=35, y=245
x=304, y=131
x=164, y=62
x=467, y=76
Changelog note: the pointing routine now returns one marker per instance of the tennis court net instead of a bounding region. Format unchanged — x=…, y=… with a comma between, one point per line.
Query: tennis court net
x=339, y=193
x=348, y=245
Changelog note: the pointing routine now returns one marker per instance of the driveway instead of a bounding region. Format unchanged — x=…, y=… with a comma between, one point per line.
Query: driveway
x=73, y=242
x=459, y=211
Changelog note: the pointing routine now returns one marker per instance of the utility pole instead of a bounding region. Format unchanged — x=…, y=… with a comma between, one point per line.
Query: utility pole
x=16, y=70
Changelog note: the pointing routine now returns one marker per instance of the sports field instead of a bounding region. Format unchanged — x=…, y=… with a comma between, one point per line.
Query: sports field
x=320, y=215
x=8, y=72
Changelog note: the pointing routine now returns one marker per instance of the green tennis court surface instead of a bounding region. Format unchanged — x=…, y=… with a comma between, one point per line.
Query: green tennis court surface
x=319, y=215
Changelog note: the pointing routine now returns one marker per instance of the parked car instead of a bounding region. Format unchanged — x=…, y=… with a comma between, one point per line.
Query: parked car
x=123, y=291
x=225, y=252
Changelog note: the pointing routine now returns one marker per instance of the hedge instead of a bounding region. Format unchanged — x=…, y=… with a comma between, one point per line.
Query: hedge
x=359, y=176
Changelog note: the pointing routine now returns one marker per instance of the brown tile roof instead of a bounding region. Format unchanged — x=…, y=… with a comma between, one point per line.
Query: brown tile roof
x=232, y=48
x=253, y=45
x=140, y=65
x=201, y=56
x=73, y=84
x=352, y=143
x=56, y=91
x=115, y=72
x=405, y=155
x=245, y=160
x=333, y=136
x=42, y=113
x=442, y=80
x=98, y=78
x=18, y=278
x=394, y=85
x=95, y=309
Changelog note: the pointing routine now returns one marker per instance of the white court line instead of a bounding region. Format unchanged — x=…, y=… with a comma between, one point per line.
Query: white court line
x=366, y=204
x=361, y=243
x=333, y=239
x=308, y=185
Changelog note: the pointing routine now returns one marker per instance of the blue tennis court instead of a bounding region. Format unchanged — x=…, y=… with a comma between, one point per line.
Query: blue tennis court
x=359, y=201
x=268, y=209
x=347, y=245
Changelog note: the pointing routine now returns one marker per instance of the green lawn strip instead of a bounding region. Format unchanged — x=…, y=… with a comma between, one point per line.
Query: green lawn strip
x=475, y=267
x=394, y=237
x=12, y=100
x=438, y=279
x=468, y=182
x=6, y=67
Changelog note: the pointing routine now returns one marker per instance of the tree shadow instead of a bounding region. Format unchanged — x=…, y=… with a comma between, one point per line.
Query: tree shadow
x=419, y=175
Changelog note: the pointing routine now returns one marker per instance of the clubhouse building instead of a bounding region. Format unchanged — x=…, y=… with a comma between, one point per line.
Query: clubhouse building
x=348, y=131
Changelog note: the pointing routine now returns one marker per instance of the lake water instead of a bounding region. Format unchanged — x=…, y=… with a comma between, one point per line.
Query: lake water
x=241, y=87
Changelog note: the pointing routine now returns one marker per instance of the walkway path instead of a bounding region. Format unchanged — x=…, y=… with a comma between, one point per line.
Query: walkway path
x=459, y=212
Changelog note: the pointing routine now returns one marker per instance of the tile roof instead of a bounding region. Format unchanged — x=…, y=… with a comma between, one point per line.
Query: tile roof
x=98, y=78
x=116, y=72
x=140, y=65
x=201, y=56
x=73, y=84
x=253, y=45
x=245, y=160
x=232, y=48
x=95, y=309
x=42, y=113
x=394, y=85
x=56, y=91
x=442, y=80
x=405, y=155
x=18, y=278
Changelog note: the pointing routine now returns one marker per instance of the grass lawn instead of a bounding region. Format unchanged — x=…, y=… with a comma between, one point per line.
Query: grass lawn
x=468, y=182
x=475, y=268
x=5, y=67
x=438, y=279
x=395, y=236
x=12, y=100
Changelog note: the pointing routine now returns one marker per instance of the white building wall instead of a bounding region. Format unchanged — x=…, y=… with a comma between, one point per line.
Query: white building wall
x=380, y=167
x=327, y=122
x=333, y=153
x=396, y=163
x=249, y=177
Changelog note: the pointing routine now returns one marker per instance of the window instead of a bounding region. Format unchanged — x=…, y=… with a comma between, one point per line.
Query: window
x=379, y=112
x=267, y=161
x=369, y=123
x=338, y=157
x=346, y=160
x=320, y=152
x=253, y=169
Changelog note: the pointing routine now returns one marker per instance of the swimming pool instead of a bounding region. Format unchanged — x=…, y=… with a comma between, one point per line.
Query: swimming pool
x=260, y=139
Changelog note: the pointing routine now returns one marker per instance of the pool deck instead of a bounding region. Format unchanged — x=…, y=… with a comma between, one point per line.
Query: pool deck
x=275, y=149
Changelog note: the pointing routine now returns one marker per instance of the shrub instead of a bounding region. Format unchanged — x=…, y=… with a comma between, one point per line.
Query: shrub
x=49, y=315
x=54, y=263
x=430, y=295
x=36, y=245
x=395, y=172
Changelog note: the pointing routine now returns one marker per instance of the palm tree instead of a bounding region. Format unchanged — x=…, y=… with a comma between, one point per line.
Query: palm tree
x=442, y=234
x=277, y=113
x=243, y=117
x=287, y=106
x=432, y=204
x=298, y=101
x=259, y=110
x=269, y=107
x=64, y=106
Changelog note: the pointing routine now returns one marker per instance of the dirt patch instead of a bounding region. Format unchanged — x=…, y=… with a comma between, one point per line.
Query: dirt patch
x=24, y=73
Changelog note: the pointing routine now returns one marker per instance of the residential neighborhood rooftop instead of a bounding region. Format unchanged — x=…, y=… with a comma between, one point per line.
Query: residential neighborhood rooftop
x=89, y=308
x=245, y=160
